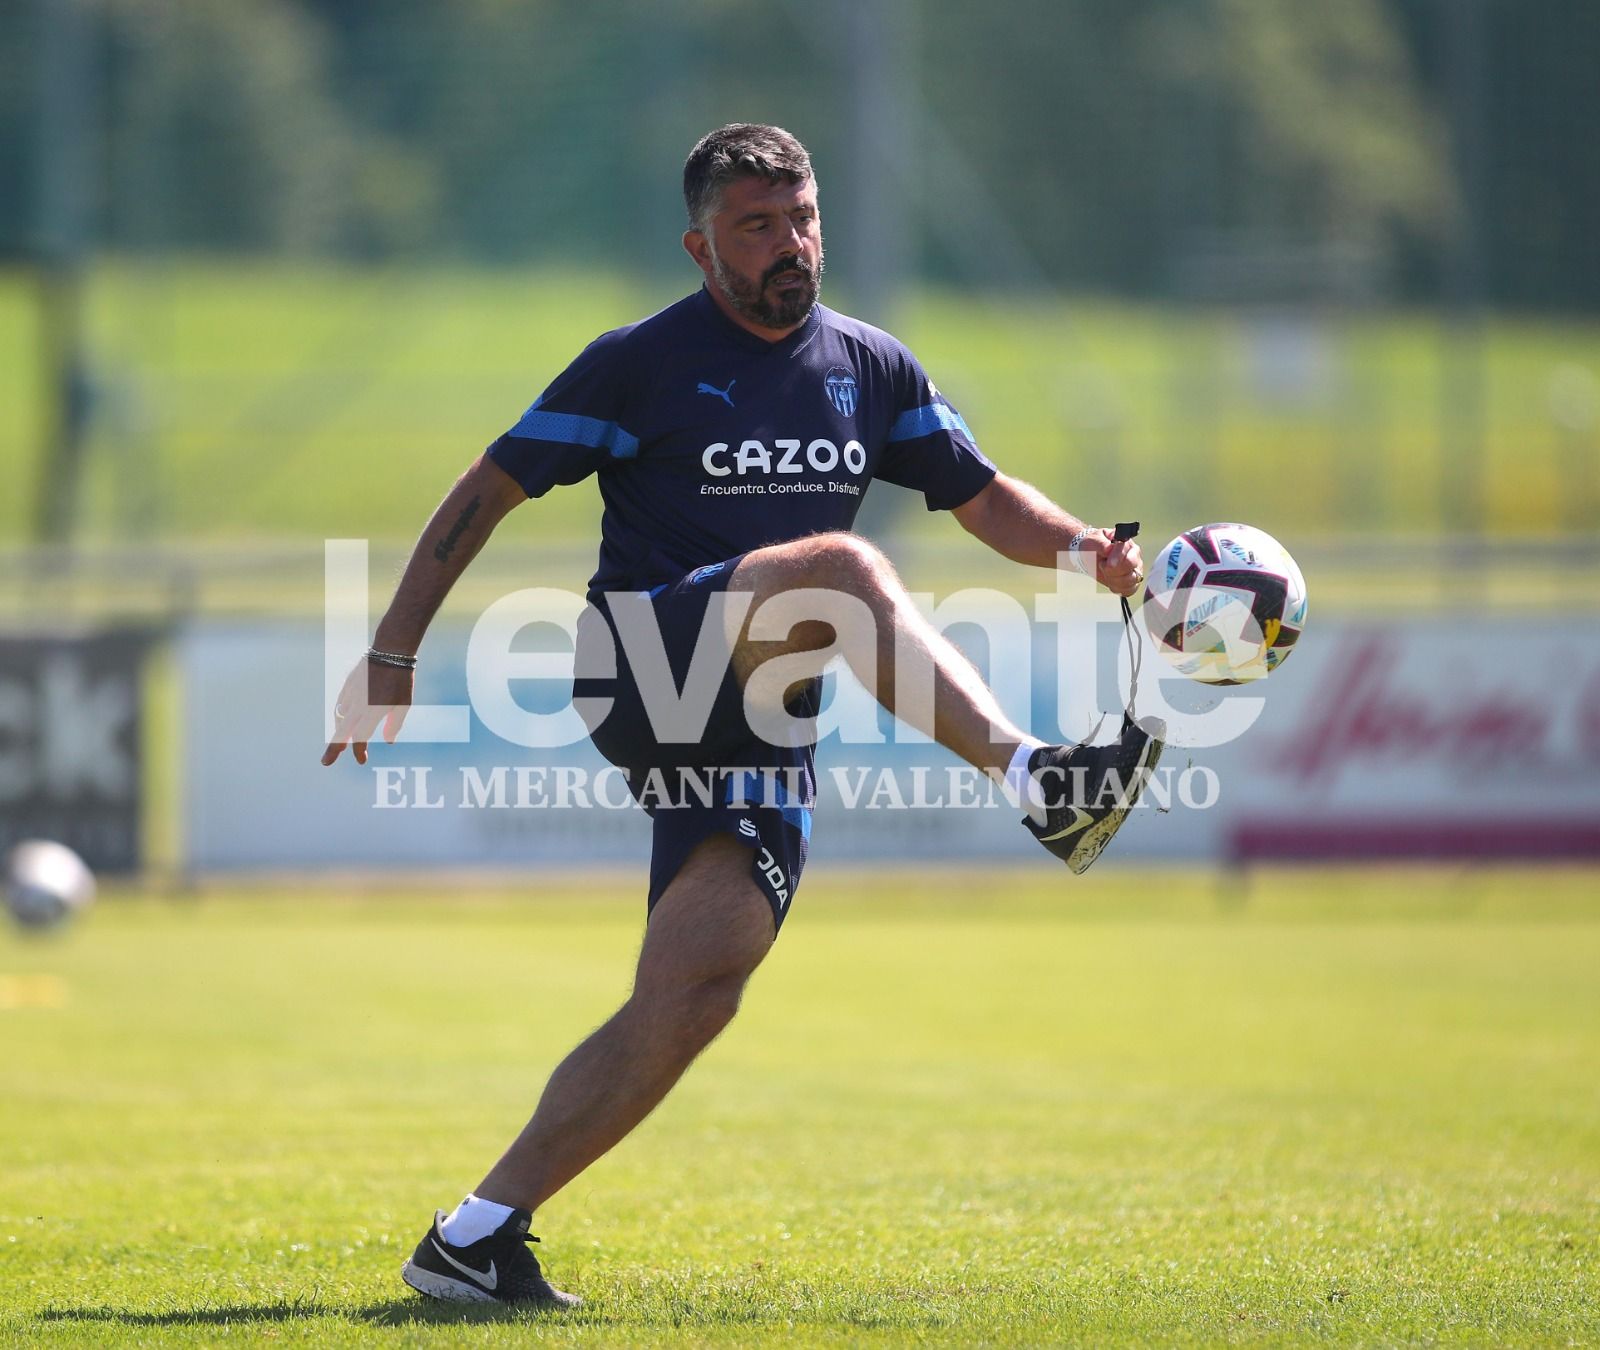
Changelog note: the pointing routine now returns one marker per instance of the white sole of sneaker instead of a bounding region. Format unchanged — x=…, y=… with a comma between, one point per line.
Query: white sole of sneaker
x=1098, y=835
x=442, y=1286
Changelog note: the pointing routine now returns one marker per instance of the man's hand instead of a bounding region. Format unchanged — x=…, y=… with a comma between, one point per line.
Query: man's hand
x=1118, y=564
x=1021, y=523
x=372, y=693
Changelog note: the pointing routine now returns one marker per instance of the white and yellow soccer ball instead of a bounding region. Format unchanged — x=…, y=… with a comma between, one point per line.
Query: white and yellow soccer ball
x=46, y=884
x=1225, y=604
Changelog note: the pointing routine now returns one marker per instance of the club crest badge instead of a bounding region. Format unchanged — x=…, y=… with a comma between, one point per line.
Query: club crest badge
x=843, y=391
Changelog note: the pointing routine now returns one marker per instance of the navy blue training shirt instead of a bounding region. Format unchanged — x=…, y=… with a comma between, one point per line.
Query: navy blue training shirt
x=710, y=441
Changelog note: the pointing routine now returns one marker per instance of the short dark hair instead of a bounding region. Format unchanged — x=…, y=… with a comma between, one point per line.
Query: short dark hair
x=739, y=150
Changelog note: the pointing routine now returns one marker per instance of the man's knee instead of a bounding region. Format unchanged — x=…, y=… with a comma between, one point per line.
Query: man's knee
x=696, y=1013
x=837, y=560
x=712, y=1004
x=848, y=561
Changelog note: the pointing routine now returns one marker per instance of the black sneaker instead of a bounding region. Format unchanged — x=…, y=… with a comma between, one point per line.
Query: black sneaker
x=1088, y=789
x=495, y=1269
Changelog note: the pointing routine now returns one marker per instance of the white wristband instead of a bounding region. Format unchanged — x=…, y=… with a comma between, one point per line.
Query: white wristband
x=1083, y=562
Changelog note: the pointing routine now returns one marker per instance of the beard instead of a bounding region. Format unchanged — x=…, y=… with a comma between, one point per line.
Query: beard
x=749, y=297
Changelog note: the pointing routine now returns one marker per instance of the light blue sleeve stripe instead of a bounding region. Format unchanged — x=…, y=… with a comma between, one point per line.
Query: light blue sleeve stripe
x=926, y=420
x=570, y=429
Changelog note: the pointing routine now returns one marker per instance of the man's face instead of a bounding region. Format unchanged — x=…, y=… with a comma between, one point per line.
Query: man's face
x=763, y=253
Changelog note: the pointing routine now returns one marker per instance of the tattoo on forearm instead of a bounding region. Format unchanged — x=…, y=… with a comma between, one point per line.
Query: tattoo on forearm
x=446, y=546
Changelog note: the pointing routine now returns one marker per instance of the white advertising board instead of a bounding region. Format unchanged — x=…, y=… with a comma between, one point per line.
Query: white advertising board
x=1382, y=738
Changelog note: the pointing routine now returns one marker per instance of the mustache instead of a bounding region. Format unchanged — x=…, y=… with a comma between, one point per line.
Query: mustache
x=784, y=267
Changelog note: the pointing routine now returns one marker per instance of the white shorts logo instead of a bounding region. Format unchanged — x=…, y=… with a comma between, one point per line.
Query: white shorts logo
x=767, y=865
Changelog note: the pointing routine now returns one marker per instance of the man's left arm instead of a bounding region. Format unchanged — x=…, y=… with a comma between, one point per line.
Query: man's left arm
x=1019, y=522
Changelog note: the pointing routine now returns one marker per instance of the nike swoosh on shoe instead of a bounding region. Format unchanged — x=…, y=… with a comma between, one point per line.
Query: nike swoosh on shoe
x=488, y=1281
x=1081, y=819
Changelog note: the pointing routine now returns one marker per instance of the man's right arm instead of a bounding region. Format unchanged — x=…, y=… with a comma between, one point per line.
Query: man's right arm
x=459, y=527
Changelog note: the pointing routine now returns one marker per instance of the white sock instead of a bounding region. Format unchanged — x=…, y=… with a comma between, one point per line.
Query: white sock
x=473, y=1219
x=1020, y=785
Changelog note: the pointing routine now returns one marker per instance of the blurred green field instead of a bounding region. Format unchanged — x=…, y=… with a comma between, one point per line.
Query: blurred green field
x=248, y=401
x=1343, y=1107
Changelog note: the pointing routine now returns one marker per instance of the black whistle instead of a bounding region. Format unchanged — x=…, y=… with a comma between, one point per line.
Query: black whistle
x=1128, y=529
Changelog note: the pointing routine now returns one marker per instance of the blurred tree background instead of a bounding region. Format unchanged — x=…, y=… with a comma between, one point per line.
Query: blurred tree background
x=1269, y=176
x=1125, y=140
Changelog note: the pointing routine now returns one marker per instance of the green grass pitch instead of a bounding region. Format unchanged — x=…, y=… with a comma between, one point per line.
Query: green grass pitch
x=241, y=401
x=1001, y=1108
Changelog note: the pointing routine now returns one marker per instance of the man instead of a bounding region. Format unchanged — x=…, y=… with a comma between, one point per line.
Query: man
x=733, y=434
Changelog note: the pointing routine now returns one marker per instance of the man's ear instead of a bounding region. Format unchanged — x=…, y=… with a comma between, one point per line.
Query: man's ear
x=698, y=247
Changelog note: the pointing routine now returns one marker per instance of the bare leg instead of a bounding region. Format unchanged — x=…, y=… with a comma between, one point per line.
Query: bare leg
x=708, y=932
x=712, y=927
x=964, y=716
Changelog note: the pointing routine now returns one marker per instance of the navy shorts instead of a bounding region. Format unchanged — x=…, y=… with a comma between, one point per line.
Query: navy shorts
x=727, y=781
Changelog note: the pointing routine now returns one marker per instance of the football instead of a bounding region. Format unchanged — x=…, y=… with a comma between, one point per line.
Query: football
x=46, y=883
x=1225, y=604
